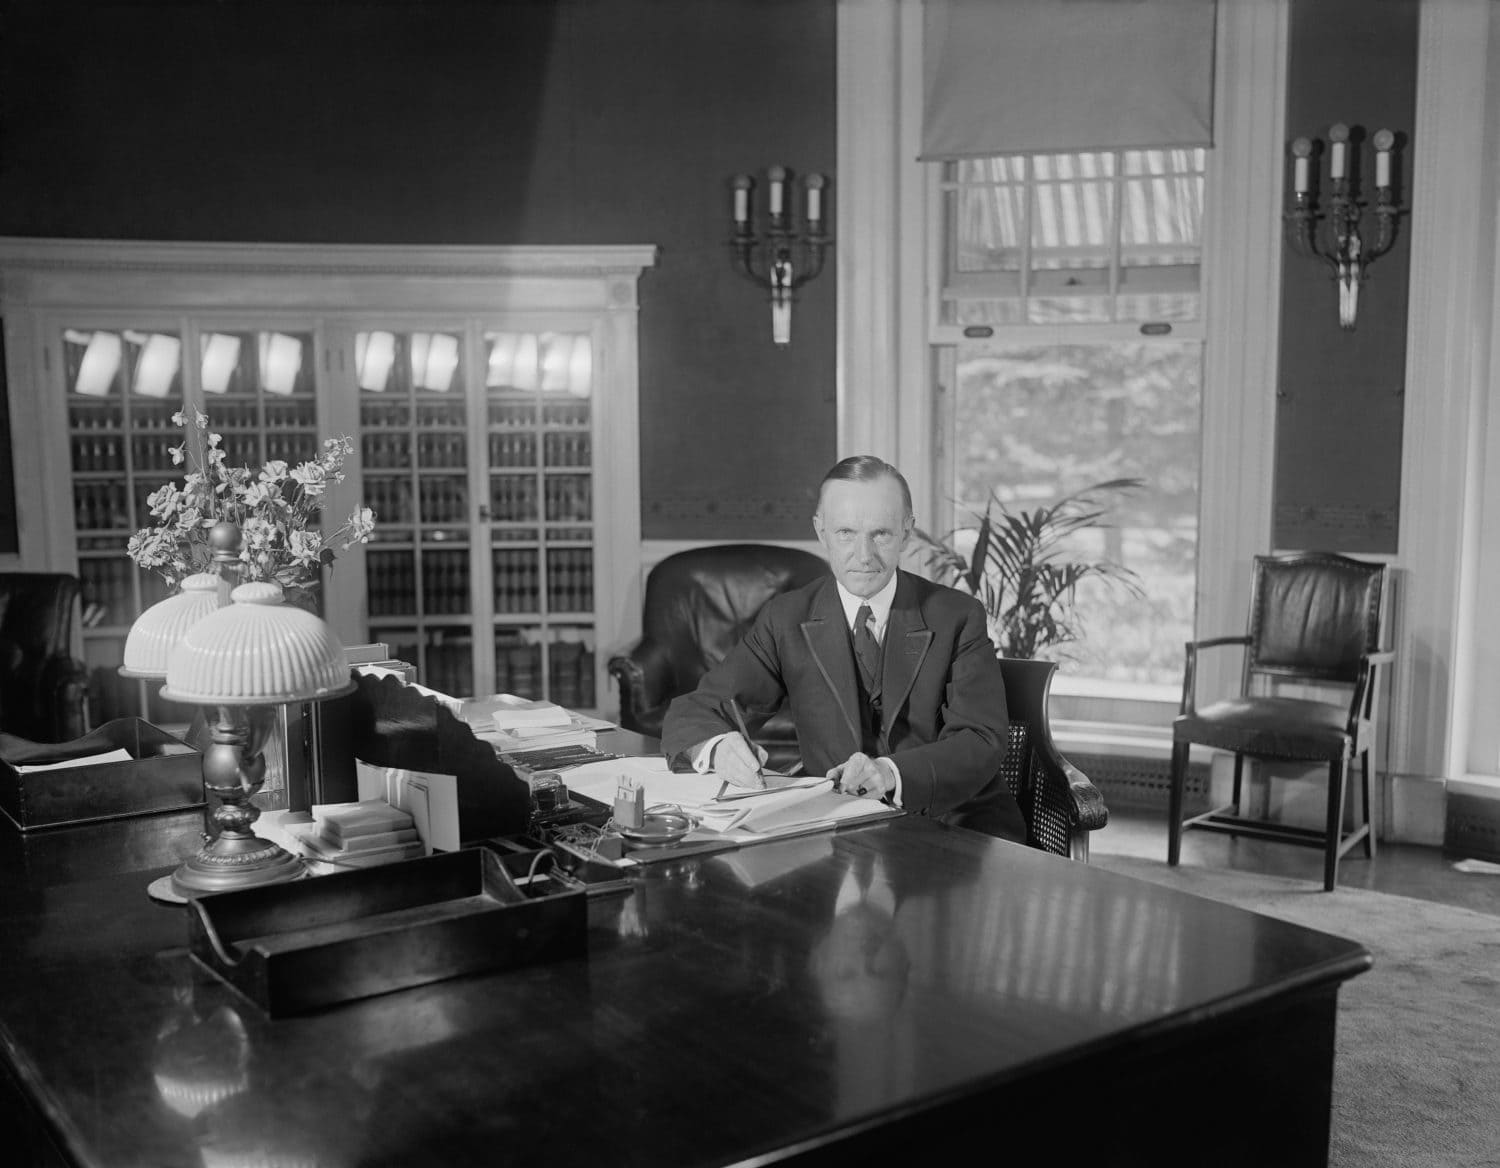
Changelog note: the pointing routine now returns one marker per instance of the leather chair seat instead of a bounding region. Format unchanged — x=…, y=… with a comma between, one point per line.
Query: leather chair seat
x=1270, y=727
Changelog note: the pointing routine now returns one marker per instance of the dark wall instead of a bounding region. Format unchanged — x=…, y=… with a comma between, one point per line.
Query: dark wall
x=1340, y=393
x=452, y=122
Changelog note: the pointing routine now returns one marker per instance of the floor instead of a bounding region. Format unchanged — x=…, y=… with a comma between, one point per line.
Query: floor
x=1423, y=873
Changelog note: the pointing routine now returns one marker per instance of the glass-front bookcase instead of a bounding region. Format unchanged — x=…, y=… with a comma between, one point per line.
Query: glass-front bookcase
x=482, y=474
x=478, y=384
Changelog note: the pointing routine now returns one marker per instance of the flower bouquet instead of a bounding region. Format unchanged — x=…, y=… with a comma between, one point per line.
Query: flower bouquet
x=277, y=510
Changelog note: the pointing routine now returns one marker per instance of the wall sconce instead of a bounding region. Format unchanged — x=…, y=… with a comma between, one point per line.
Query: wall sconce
x=1341, y=247
x=777, y=271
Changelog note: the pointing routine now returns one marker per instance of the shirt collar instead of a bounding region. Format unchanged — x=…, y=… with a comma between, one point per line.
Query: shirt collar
x=880, y=605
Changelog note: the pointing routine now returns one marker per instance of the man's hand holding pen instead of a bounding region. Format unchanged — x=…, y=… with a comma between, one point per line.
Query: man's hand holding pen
x=739, y=762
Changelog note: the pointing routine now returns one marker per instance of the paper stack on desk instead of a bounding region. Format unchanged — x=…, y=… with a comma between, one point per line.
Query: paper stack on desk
x=511, y=724
x=364, y=833
x=804, y=804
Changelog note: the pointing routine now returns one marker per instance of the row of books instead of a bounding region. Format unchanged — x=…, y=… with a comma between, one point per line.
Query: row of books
x=96, y=413
x=445, y=582
x=391, y=583
x=517, y=577
x=449, y=668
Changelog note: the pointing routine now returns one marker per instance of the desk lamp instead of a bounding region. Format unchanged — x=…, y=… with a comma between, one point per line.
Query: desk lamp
x=243, y=660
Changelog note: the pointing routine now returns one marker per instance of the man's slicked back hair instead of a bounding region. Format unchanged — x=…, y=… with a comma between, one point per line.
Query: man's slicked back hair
x=864, y=468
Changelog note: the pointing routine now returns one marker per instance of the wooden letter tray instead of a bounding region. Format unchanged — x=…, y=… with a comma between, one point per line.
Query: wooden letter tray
x=319, y=941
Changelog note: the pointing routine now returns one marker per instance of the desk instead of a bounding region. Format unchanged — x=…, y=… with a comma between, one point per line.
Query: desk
x=735, y=1008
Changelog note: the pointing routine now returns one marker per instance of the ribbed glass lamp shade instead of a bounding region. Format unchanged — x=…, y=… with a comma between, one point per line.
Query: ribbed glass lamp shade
x=160, y=627
x=257, y=651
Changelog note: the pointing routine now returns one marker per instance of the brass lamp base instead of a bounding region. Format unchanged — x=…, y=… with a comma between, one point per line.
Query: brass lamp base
x=233, y=770
x=233, y=861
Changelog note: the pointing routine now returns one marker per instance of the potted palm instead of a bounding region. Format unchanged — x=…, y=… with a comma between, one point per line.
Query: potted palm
x=1019, y=565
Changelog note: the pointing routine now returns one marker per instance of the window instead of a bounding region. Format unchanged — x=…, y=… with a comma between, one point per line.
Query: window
x=1074, y=238
x=1069, y=335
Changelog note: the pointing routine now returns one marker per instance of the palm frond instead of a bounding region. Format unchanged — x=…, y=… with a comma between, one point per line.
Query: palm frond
x=1020, y=570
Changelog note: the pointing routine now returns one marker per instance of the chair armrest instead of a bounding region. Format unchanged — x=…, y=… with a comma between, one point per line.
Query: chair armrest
x=646, y=677
x=1088, y=810
x=1062, y=796
x=1190, y=666
x=1360, y=702
x=1217, y=642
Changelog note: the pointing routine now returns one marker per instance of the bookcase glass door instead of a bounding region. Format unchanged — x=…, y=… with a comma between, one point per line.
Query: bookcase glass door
x=513, y=566
x=414, y=438
x=123, y=389
x=539, y=405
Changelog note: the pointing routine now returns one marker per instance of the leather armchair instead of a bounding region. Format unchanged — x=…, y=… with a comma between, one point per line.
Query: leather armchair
x=43, y=687
x=698, y=605
x=1316, y=623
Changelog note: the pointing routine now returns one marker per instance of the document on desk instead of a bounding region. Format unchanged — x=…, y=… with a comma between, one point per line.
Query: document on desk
x=802, y=809
x=809, y=803
x=120, y=755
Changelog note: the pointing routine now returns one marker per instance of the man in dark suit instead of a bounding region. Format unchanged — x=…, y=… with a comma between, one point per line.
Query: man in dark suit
x=892, y=680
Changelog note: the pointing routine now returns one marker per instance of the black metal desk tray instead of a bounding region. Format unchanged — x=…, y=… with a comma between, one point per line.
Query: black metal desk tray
x=162, y=773
x=300, y=946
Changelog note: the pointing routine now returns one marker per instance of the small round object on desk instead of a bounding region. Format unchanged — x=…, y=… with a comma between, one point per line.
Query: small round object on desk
x=658, y=827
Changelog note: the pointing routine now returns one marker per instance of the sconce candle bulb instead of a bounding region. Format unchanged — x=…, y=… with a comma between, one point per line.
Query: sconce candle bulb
x=777, y=175
x=814, y=199
x=1338, y=135
x=777, y=271
x=1301, y=150
x=1339, y=243
x=742, y=184
x=1384, y=140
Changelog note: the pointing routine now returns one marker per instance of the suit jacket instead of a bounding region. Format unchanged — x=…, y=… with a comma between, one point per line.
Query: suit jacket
x=942, y=696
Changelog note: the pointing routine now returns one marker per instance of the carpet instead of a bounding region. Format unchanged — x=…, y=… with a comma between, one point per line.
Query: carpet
x=1417, y=1065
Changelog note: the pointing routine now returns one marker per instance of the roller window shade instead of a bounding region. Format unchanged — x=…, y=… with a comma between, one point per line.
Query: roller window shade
x=1032, y=76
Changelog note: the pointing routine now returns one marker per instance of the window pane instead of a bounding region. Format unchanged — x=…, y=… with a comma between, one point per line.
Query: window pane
x=1123, y=229
x=1035, y=422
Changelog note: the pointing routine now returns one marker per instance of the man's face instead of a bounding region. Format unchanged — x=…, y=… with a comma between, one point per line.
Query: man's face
x=864, y=527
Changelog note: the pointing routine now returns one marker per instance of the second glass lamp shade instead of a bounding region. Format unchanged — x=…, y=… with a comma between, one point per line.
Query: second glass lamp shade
x=257, y=651
x=158, y=630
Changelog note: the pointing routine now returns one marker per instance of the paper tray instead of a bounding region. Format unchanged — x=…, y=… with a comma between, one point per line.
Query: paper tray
x=163, y=774
x=316, y=942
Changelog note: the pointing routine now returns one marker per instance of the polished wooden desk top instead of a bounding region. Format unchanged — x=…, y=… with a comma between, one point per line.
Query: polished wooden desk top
x=732, y=1005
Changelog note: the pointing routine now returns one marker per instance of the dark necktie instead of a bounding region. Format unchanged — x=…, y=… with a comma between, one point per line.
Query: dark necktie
x=865, y=647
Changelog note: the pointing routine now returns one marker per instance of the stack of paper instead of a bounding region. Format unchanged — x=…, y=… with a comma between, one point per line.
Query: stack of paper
x=805, y=804
x=364, y=833
x=511, y=724
x=518, y=715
